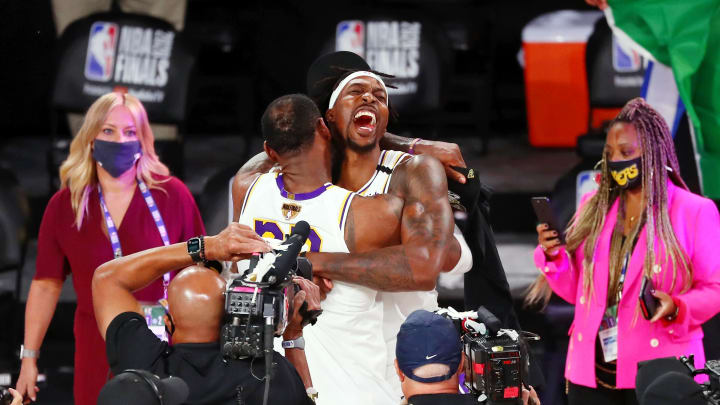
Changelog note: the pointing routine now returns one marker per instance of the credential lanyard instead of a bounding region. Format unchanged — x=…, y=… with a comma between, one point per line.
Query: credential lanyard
x=611, y=312
x=154, y=212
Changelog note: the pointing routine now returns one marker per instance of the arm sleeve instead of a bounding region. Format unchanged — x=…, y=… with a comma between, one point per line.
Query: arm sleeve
x=466, y=260
x=51, y=261
x=559, y=273
x=130, y=344
x=702, y=301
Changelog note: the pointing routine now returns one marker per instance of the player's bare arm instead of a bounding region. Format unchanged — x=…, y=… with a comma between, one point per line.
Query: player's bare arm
x=425, y=233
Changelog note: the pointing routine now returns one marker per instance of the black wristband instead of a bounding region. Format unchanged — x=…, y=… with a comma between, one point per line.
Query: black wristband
x=196, y=249
x=202, y=249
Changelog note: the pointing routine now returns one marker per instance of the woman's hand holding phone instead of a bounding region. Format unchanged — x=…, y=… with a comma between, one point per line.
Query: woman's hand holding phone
x=665, y=308
x=549, y=239
x=549, y=236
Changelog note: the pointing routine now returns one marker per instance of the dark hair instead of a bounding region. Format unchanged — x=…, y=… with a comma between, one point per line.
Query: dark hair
x=288, y=123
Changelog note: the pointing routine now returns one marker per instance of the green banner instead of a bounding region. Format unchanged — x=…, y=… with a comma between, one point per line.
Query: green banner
x=685, y=35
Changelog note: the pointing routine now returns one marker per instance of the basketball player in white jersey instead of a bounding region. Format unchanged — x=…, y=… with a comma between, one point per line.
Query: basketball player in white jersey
x=357, y=115
x=345, y=350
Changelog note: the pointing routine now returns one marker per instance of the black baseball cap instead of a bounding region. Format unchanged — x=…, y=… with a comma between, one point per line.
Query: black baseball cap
x=673, y=388
x=650, y=370
x=428, y=338
x=140, y=387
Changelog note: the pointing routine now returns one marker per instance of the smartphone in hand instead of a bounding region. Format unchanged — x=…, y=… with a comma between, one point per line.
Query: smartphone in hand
x=544, y=214
x=648, y=302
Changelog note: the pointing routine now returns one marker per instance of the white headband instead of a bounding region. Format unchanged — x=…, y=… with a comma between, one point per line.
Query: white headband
x=344, y=82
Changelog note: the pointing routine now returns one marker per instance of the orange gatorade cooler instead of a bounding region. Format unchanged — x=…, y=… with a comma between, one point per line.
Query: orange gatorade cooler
x=556, y=92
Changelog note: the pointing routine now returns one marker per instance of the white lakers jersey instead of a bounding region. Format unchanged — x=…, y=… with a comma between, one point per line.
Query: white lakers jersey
x=272, y=212
x=396, y=305
x=345, y=350
x=380, y=180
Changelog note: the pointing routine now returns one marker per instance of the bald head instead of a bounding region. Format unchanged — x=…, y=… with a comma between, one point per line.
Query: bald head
x=196, y=301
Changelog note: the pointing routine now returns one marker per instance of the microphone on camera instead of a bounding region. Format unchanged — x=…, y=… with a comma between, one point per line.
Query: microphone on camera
x=287, y=258
x=492, y=323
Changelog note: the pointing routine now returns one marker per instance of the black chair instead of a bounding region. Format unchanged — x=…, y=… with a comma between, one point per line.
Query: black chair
x=610, y=84
x=421, y=68
x=215, y=201
x=468, y=95
x=113, y=51
x=14, y=221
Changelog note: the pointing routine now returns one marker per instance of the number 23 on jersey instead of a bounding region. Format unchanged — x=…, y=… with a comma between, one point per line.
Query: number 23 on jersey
x=270, y=229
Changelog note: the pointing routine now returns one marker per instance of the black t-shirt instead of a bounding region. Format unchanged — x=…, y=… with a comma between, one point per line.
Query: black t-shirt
x=130, y=344
x=438, y=399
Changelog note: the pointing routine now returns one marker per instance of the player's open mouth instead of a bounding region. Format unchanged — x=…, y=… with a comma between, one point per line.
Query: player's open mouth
x=364, y=121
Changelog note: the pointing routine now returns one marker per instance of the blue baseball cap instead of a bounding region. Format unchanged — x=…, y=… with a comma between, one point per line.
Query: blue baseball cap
x=428, y=338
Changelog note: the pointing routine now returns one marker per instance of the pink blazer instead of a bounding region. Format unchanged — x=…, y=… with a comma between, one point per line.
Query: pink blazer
x=696, y=223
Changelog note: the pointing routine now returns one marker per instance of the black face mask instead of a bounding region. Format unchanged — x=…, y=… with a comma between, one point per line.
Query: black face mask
x=116, y=157
x=626, y=173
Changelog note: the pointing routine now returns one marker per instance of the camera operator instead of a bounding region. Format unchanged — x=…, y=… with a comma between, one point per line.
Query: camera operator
x=196, y=311
x=429, y=360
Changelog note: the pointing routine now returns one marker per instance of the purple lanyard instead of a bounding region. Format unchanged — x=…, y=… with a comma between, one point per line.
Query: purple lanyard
x=159, y=223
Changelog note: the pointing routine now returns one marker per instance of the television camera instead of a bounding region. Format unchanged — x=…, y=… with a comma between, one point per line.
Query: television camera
x=496, y=359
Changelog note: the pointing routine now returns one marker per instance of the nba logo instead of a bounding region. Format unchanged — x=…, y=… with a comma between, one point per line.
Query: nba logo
x=625, y=59
x=350, y=36
x=101, y=51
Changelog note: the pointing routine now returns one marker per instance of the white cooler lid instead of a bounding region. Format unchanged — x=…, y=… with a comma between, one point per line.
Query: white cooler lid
x=561, y=26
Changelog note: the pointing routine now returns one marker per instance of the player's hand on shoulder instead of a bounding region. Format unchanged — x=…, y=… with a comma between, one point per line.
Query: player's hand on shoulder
x=235, y=242
x=447, y=153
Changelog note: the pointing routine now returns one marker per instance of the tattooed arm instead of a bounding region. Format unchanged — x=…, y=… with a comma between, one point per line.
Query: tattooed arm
x=425, y=235
x=447, y=153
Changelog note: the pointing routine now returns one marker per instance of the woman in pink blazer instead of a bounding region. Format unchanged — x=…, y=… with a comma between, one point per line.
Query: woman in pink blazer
x=641, y=198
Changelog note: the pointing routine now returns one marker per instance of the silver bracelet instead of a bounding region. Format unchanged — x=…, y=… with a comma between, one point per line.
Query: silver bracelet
x=27, y=353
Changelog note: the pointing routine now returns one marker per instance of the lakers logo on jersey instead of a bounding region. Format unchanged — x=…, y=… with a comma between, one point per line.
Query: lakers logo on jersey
x=290, y=211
